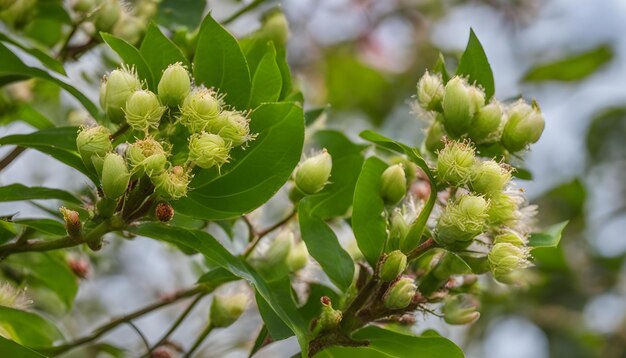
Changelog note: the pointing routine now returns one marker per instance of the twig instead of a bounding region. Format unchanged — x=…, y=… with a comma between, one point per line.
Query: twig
x=242, y=11
x=424, y=246
x=259, y=235
x=141, y=335
x=199, y=340
x=11, y=157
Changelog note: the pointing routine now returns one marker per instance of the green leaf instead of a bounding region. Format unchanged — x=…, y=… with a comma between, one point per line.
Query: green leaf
x=401, y=345
x=15, y=350
x=180, y=13
x=312, y=115
x=268, y=161
x=275, y=325
x=550, y=237
x=267, y=81
x=572, y=68
x=206, y=244
x=352, y=352
x=159, y=52
x=45, y=59
x=475, y=65
x=46, y=226
x=440, y=67
x=478, y=263
x=28, y=114
x=28, y=328
x=217, y=277
x=220, y=63
x=131, y=56
x=368, y=222
x=324, y=246
x=442, y=265
x=18, y=192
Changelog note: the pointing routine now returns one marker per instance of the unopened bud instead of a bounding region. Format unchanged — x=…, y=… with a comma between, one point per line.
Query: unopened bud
x=462, y=220
x=115, y=176
x=505, y=259
x=146, y=156
x=171, y=184
x=400, y=294
x=129, y=28
x=225, y=310
x=93, y=143
x=275, y=28
x=410, y=168
x=208, y=150
x=460, y=309
x=455, y=163
x=502, y=209
x=398, y=229
x=430, y=91
x=143, y=110
x=487, y=123
x=312, y=174
x=434, y=137
x=298, y=257
x=524, y=126
x=489, y=178
x=232, y=126
x=274, y=263
x=109, y=11
x=82, y=6
x=174, y=85
x=73, y=226
x=511, y=237
x=80, y=267
x=460, y=103
x=120, y=85
x=393, y=265
x=199, y=108
x=329, y=318
x=393, y=184
x=164, y=212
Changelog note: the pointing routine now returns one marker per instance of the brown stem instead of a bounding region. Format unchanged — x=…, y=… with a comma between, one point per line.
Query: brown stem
x=11, y=157
x=424, y=246
x=259, y=235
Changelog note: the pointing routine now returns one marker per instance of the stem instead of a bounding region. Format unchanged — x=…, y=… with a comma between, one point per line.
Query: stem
x=199, y=340
x=11, y=157
x=259, y=235
x=62, y=54
x=242, y=11
x=351, y=313
x=424, y=246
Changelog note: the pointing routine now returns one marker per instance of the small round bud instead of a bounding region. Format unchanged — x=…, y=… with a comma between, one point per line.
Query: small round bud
x=393, y=265
x=115, y=176
x=174, y=85
x=393, y=184
x=171, y=184
x=489, y=178
x=146, y=156
x=275, y=28
x=73, y=226
x=298, y=257
x=460, y=309
x=232, y=126
x=455, y=163
x=146, y=9
x=459, y=106
x=430, y=91
x=410, y=168
x=511, y=237
x=524, y=126
x=398, y=229
x=198, y=109
x=82, y=6
x=502, y=210
x=225, y=310
x=477, y=98
x=273, y=264
x=462, y=220
x=312, y=174
x=164, y=212
x=93, y=142
x=435, y=137
x=505, y=259
x=208, y=150
x=80, y=267
x=129, y=28
x=400, y=294
x=329, y=318
x=143, y=110
x=109, y=11
x=120, y=85
x=487, y=123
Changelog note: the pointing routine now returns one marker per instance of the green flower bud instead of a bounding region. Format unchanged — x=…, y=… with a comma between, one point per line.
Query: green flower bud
x=510, y=237
x=171, y=184
x=505, y=259
x=524, y=126
x=460, y=309
x=275, y=28
x=393, y=265
x=83, y=6
x=393, y=184
x=93, y=143
x=199, y=108
x=502, y=210
x=312, y=174
x=329, y=318
x=146, y=9
x=477, y=98
x=146, y=156
x=225, y=310
x=174, y=85
x=430, y=92
x=120, y=85
x=460, y=102
x=410, y=168
x=462, y=220
x=232, y=126
x=143, y=110
x=397, y=230
x=115, y=176
x=129, y=28
x=435, y=137
x=109, y=11
x=73, y=226
x=487, y=123
x=18, y=13
x=298, y=257
x=455, y=163
x=400, y=294
x=489, y=178
x=274, y=263
x=208, y=150
x=103, y=93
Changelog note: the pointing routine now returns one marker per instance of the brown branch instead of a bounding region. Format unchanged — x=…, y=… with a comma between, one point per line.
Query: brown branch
x=11, y=157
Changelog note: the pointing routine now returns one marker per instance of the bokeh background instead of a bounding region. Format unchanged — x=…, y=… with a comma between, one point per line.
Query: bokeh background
x=363, y=58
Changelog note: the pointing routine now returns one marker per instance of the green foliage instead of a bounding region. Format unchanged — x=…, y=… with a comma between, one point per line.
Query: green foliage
x=475, y=65
x=573, y=68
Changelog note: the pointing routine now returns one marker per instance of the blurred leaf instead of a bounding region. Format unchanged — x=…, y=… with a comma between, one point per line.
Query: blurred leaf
x=573, y=68
x=266, y=82
x=275, y=325
x=521, y=173
x=45, y=58
x=478, y=263
x=180, y=13
x=440, y=67
x=28, y=114
x=474, y=63
x=158, y=51
x=269, y=160
x=18, y=192
x=550, y=237
x=312, y=115
x=401, y=345
x=352, y=352
x=28, y=328
x=131, y=56
x=217, y=277
x=47, y=226
x=605, y=136
x=14, y=350
x=564, y=202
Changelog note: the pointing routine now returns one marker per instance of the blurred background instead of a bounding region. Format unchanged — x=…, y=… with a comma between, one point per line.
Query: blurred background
x=363, y=58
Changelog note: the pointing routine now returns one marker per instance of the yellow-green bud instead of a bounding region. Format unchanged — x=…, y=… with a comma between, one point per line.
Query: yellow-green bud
x=232, y=126
x=511, y=237
x=477, y=98
x=120, y=85
x=298, y=257
x=83, y=6
x=208, y=150
x=312, y=174
x=274, y=263
x=275, y=28
x=146, y=9
x=487, y=123
x=462, y=220
x=143, y=110
x=489, y=178
x=18, y=13
x=174, y=85
x=393, y=265
x=430, y=91
x=171, y=184
x=109, y=11
x=410, y=168
x=93, y=143
x=129, y=28
x=502, y=209
x=115, y=176
x=505, y=259
x=455, y=163
x=146, y=156
x=397, y=230
x=460, y=102
x=460, y=309
x=524, y=126
x=393, y=184
x=73, y=225
x=199, y=108
x=225, y=310
x=329, y=318
x=400, y=294
x=434, y=137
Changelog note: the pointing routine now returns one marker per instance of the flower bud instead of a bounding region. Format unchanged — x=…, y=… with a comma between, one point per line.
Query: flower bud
x=275, y=28
x=462, y=220
x=455, y=163
x=143, y=110
x=225, y=310
x=397, y=230
x=505, y=259
x=312, y=174
x=502, y=210
x=208, y=150
x=298, y=257
x=120, y=85
x=410, y=168
x=93, y=143
x=115, y=176
x=171, y=184
x=129, y=28
x=146, y=156
x=477, y=98
x=174, y=85
x=400, y=294
x=434, y=137
x=524, y=126
x=329, y=318
x=430, y=91
x=393, y=184
x=510, y=237
x=18, y=13
x=164, y=212
x=489, y=178
x=232, y=126
x=198, y=108
x=82, y=6
x=460, y=102
x=393, y=265
x=109, y=11
x=460, y=309
x=73, y=225
x=487, y=122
